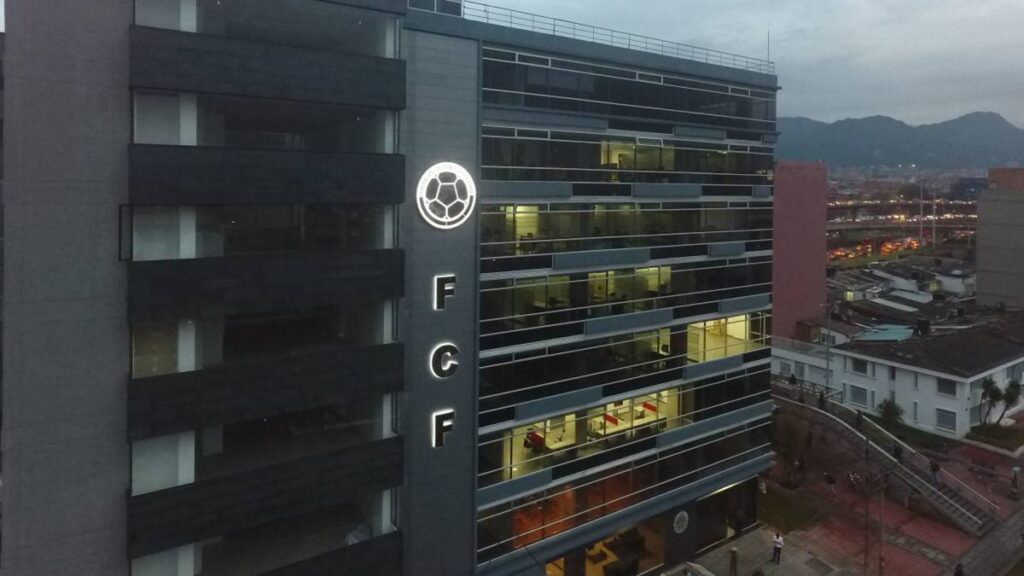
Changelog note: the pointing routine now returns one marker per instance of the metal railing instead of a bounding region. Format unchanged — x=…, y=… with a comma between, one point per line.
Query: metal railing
x=880, y=435
x=801, y=347
x=955, y=511
x=480, y=12
x=924, y=463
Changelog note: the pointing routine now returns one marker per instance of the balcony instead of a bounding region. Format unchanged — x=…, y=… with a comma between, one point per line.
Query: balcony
x=230, y=504
x=504, y=17
x=183, y=61
x=163, y=290
x=210, y=175
x=260, y=388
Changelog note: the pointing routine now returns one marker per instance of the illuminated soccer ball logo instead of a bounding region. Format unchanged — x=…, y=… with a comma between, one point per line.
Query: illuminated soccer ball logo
x=446, y=195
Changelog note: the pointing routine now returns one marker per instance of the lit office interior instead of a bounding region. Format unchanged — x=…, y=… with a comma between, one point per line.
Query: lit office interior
x=518, y=523
x=564, y=438
x=641, y=549
x=630, y=360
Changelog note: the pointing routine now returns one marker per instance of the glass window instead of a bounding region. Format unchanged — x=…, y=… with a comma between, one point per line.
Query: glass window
x=187, y=345
x=186, y=232
x=279, y=544
x=859, y=366
x=187, y=119
x=946, y=387
x=522, y=522
x=1015, y=373
x=300, y=23
x=724, y=337
x=859, y=395
x=945, y=419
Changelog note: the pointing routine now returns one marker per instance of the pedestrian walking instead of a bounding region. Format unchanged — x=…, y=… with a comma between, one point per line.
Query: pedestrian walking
x=734, y=562
x=959, y=570
x=860, y=420
x=821, y=400
x=933, y=464
x=897, y=452
x=777, y=544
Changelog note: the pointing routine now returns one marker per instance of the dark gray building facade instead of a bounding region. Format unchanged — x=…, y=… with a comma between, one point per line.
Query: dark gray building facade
x=377, y=287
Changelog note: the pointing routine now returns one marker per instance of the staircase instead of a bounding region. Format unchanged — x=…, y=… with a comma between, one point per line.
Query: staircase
x=961, y=504
x=959, y=497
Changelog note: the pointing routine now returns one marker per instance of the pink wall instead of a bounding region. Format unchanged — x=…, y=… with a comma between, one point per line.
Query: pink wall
x=801, y=213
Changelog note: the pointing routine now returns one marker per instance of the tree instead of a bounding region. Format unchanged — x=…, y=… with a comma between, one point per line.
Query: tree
x=991, y=394
x=1010, y=397
x=890, y=413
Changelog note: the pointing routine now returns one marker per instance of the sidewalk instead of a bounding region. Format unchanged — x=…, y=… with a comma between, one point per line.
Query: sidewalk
x=755, y=551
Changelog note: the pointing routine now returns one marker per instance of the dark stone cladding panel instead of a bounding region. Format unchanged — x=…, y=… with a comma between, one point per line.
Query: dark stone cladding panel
x=261, y=388
x=194, y=512
x=188, y=62
x=204, y=287
x=380, y=556
x=203, y=175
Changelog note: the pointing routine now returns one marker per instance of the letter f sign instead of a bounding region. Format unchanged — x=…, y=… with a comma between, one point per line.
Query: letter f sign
x=444, y=422
x=444, y=288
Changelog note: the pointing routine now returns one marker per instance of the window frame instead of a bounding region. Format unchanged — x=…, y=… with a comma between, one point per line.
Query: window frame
x=938, y=420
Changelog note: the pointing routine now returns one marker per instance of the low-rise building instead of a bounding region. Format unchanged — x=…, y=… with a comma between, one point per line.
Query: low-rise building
x=936, y=376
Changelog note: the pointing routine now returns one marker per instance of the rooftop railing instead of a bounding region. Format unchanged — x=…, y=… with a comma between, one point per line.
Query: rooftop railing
x=480, y=12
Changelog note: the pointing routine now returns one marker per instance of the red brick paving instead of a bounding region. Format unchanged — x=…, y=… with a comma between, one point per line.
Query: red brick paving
x=902, y=563
x=838, y=536
x=938, y=536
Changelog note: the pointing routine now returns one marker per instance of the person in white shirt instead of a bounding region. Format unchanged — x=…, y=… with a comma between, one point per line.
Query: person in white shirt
x=777, y=548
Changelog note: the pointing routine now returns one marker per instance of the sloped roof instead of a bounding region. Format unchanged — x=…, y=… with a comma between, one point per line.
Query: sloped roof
x=965, y=353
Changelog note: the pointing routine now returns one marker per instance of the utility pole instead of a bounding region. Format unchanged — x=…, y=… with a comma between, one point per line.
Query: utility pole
x=934, y=221
x=828, y=341
x=920, y=218
x=867, y=523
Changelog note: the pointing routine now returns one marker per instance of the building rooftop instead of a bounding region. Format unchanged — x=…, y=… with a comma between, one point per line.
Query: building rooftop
x=480, y=12
x=885, y=333
x=966, y=353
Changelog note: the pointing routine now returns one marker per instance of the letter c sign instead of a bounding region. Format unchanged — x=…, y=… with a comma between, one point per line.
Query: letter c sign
x=444, y=360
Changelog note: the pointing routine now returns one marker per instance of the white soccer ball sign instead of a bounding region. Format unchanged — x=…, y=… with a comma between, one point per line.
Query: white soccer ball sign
x=446, y=195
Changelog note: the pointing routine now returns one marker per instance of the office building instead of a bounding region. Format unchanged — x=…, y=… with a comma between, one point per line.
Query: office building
x=376, y=287
x=1001, y=239
x=798, y=269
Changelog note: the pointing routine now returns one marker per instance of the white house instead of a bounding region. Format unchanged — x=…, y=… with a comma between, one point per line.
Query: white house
x=936, y=378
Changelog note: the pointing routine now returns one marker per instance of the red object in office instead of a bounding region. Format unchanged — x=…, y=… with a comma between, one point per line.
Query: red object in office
x=535, y=439
x=650, y=407
x=611, y=419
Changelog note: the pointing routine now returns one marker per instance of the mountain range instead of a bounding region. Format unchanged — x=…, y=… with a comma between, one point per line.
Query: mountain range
x=975, y=140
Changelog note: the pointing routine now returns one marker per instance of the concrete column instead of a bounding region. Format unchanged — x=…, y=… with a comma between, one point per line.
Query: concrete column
x=189, y=15
x=163, y=462
x=188, y=119
x=67, y=127
x=187, y=240
x=187, y=357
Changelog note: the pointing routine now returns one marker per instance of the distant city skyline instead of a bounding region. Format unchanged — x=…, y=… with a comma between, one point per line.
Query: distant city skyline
x=845, y=58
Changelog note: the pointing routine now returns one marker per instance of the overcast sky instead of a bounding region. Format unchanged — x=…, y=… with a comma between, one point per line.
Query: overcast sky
x=920, y=61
